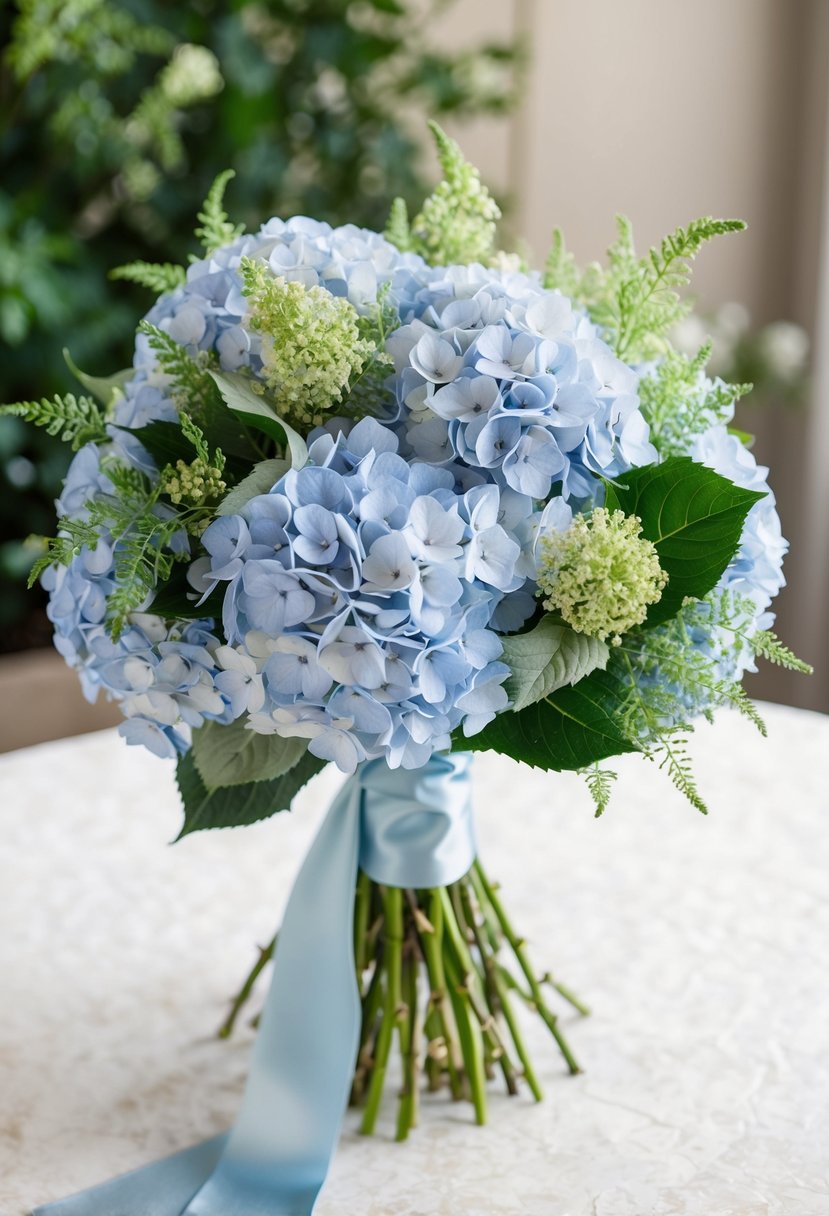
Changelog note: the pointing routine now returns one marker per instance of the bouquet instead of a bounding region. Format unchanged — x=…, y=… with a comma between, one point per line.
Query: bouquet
x=384, y=501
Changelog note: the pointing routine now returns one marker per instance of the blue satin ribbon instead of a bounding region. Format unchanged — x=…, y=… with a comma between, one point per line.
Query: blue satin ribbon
x=404, y=829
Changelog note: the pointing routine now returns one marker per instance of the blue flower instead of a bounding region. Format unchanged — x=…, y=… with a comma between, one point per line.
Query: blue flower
x=368, y=621
x=363, y=596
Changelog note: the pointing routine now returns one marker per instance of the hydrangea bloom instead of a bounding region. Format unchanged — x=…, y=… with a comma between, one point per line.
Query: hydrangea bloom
x=361, y=590
x=162, y=675
x=364, y=595
x=511, y=380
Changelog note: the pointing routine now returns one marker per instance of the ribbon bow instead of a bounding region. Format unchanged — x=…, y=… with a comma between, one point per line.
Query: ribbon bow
x=404, y=829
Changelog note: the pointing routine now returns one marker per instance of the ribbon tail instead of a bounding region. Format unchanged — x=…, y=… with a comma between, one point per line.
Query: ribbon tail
x=159, y=1189
x=405, y=830
x=278, y=1153
x=275, y=1159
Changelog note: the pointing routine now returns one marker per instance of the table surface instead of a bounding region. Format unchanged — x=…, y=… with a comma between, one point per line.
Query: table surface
x=700, y=943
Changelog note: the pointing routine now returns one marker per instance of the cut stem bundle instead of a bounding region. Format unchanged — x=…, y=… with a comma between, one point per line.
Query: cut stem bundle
x=440, y=973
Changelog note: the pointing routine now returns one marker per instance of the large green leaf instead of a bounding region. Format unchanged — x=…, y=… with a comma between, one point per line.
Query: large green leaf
x=234, y=755
x=257, y=413
x=695, y=518
x=234, y=806
x=548, y=658
x=103, y=388
x=569, y=729
x=165, y=441
x=262, y=478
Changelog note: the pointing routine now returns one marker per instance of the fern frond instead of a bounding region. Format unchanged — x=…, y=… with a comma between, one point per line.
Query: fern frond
x=646, y=302
x=75, y=420
x=73, y=536
x=766, y=645
x=678, y=402
x=677, y=764
x=599, y=782
x=196, y=436
x=215, y=228
x=193, y=388
x=397, y=231
x=155, y=276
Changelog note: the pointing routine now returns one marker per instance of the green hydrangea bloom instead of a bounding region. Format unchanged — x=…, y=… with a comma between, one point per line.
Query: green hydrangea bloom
x=601, y=574
x=311, y=343
x=194, y=484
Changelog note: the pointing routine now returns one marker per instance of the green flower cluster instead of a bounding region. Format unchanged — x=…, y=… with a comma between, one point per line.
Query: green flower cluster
x=601, y=574
x=195, y=484
x=457, y=221
x=311, y=344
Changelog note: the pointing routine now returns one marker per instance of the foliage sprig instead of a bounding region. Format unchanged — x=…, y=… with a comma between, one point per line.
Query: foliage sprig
x=75, y=420
x=215, y=226
x=635, y=300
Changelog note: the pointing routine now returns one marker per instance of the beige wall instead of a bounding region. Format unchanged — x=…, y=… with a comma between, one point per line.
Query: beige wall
x=667, y=110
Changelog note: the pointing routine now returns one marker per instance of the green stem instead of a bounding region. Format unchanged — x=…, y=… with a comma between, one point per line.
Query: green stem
x=490, y=987
x=518, y=1040
x=471, y=1040
x=469, y=1030
x=431, y=943
x=362, y=903
x=517, y=945
x=567, y=994
x=493, y=930
x=243, y=995
x=365, y=1057
x=393, y=936
x=409, y=1039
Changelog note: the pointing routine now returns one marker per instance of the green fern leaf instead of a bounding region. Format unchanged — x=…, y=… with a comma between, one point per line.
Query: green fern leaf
x=599, y=782
x=75, y=420
x=155, y=276
x=766, y=645
x=215, y=228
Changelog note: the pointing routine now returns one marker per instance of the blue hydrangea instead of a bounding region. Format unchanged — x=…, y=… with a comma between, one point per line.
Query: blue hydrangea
x=363, y=598
x=509, y=379
x=164, y=677
x=363, y=588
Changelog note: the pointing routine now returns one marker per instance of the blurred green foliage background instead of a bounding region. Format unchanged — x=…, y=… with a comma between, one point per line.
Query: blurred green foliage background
x=116, y=115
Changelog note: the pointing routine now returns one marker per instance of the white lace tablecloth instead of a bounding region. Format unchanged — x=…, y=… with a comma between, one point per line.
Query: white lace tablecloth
x=700, y=943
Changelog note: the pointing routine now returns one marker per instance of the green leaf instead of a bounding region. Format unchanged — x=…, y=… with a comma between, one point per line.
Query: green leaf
x=234, y=755
x=260, y=480
x=570, y=729
x=215, y=228
x=236, y=805
x=176, y=600
x=105, y=389
x=165, y=441
x=547, y=658
x=75, y=420
x=155, y=276
x=695, y=519
x=256, y=412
